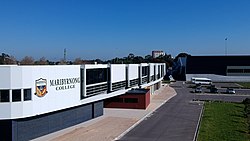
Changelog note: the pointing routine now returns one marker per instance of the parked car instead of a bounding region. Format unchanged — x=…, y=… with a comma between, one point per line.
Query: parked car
x=213, y=90
x=198, y=90
x=230, y=91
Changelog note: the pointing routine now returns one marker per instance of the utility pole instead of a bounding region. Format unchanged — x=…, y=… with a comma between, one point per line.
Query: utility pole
x=64, y=58
x=226, y=46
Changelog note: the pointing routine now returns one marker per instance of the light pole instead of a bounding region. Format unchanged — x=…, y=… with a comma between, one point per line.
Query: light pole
x=226, y=46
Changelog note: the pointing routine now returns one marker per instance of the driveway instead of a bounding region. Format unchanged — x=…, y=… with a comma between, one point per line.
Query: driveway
x=176, y=120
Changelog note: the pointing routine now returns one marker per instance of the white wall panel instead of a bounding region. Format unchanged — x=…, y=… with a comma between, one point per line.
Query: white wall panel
x=17, y=109
x=156, y=69
x=55, y=99
x=118, y=72
x=16, y=77
x=5, y=109
x=5, y=77
x=151, y=71
x=133, y=71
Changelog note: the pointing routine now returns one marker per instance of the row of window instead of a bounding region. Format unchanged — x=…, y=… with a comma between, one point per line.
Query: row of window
x=238, y=71
x=101, y=74
x=16, y=95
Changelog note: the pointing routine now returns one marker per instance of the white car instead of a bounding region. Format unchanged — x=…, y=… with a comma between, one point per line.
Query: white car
x=230, y=91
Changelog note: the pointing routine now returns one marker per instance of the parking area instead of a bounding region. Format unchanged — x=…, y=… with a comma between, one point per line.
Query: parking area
x=222, y=88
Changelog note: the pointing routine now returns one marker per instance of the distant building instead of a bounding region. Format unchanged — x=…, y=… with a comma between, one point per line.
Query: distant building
x=156, y=54
x=219, y=68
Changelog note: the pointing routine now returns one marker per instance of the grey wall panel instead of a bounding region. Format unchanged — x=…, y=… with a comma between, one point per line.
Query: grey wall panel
x=14, y=130
x=98, y=109
x=6, y=130
x=33, y=127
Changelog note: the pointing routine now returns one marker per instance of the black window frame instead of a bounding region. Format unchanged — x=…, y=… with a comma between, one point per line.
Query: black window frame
x=131, y=100
x=16, y=95
x=98, y=75
x=25, y=97
x=7, y=98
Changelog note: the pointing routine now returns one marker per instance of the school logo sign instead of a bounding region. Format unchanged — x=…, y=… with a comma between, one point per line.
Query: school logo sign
x=41, y=87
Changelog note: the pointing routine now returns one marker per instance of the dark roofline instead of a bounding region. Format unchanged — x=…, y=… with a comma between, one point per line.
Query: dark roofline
x=219, y=55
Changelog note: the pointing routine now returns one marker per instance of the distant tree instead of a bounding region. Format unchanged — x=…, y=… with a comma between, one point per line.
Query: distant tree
x=6, y=59
x=131, y=56
x=42, y=61
x=78, y=61
x=27, y=60
x=10, y=60
x=138, y=59
x=62, y=62
x=99, y=61
x=148, y=58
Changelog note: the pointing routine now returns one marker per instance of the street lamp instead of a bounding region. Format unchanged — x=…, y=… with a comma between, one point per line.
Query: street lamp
x=226, y=46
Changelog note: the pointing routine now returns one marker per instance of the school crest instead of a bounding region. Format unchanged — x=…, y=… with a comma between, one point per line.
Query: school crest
x=41, y=87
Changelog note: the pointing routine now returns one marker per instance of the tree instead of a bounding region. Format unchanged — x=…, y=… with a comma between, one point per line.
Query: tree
x=42, y=61
x=62, y=62
x=98, y=61
x=27, y=60
x=10, y=60
x=78, y=61
x=131, y=56
x=6, y=59
x=148, y=58
x=138, y=59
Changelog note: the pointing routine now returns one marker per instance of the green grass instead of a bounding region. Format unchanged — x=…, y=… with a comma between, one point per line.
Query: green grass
x=166, y=81
x=223, y=122
x=245, y=84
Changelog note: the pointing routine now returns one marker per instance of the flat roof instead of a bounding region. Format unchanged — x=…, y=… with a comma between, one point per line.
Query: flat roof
x=137, y=91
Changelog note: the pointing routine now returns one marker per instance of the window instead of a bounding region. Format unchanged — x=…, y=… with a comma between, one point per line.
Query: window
x=145, y=71
x=4, y=96
x=235, y=70
x=16, y=95
x=115, y=99
x=96, y=76
x=27, y=94
x=131, y=100
x=246, y=70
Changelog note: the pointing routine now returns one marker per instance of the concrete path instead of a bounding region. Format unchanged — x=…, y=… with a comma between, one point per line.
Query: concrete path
x=113, y=123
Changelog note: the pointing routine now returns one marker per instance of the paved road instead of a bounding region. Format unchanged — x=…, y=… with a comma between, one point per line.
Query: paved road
x=176, y=120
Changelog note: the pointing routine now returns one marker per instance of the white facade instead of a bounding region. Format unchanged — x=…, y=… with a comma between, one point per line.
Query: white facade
x=24, y=77
x=121, y=75
x=60, y=87
x=132, y=77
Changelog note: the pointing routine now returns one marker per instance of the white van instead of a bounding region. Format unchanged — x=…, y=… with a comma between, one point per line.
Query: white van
x=202, y=81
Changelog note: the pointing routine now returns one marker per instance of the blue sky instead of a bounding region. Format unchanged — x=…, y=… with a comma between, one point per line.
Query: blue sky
x=105, y=29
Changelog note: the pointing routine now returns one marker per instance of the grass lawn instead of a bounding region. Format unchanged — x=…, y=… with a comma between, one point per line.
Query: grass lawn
x=245, y=84
x=166, y=81
x=223, y=122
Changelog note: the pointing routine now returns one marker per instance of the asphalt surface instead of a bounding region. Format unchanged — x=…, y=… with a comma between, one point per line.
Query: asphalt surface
x=222, y=97
x=176, y=120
